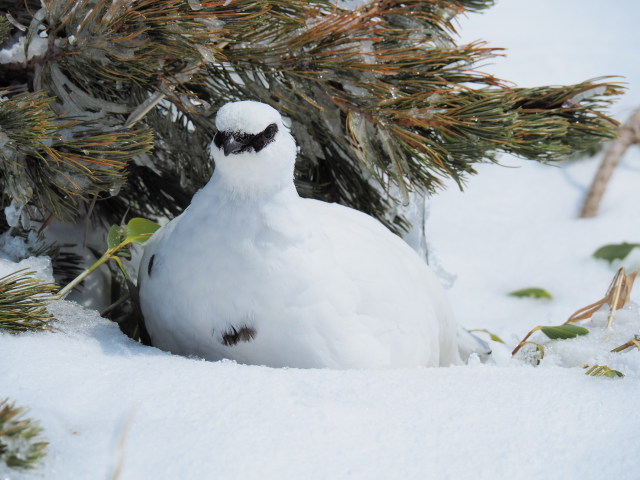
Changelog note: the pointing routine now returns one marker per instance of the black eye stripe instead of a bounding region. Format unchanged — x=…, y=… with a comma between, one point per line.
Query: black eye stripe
x=218, y=139
x=265, y=137
x=270, y=131
x=255, y=142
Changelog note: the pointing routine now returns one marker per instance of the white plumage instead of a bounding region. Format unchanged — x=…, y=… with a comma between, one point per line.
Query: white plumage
x=252, y=272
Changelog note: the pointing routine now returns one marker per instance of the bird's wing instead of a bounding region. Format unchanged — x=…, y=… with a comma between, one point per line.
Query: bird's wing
x=370, y=252
x=393, y=282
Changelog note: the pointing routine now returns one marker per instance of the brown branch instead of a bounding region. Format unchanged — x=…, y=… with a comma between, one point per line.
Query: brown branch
x=629, y=133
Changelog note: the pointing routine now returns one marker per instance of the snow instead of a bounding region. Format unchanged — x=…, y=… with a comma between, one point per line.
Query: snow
x=187, y=418
x=98, y=394
x=554, y=43
x=15, y=53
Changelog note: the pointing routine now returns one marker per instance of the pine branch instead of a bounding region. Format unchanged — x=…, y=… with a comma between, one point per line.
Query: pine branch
x=20, y=443
x=382, y=100
x=61, y=160
x=143, y=43
x=23, y=301
x=391, y=77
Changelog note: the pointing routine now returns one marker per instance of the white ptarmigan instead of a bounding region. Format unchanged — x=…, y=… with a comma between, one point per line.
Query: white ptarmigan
x=250, y=271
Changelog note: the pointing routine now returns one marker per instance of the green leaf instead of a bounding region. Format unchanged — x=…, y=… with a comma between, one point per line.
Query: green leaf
x=114, y=237
x=531, y=292
x=564, y=331
x=615, y=251
x=139, y=230
x=492, y=336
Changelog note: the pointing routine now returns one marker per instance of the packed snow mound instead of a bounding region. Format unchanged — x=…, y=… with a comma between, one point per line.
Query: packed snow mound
x=39, y=266
x=106, y=402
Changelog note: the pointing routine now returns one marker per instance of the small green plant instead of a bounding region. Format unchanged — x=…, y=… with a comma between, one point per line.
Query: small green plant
x=23, y=300
x=559, y=332
x=119, y=239
x=20, y=445
x=534, y=292
x=618, y=251
x=617, y=296
x=492, y=335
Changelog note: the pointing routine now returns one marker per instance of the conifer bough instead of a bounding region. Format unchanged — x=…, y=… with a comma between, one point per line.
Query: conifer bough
x=381, y=99
x=23, y=302
x=20, y=445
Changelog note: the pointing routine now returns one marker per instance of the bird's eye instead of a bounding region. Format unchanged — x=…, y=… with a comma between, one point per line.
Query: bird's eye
x=218, y=139
x=270, y=131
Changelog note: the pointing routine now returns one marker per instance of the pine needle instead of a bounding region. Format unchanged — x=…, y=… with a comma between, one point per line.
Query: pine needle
x=23, y=300
x=20, y=446
x=426, y=112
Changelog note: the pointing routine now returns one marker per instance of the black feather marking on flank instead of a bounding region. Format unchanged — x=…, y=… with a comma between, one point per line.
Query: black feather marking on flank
x=150, y=266
x=233, y=336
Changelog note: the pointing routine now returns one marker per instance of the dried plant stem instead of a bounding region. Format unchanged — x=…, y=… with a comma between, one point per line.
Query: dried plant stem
x=616, y=297
x=634, y=342
x=76, y=281
x=115, y=305
x=629, y=133
x=617, y=288
x=524, y=340
x=121, y=446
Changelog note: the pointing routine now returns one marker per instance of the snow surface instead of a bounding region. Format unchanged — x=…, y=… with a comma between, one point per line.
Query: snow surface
x=105, y=401
x=15, y=53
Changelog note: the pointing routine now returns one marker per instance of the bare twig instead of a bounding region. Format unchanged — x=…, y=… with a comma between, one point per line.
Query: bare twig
x=634, y=342
x=524, y=340
x=629, y=133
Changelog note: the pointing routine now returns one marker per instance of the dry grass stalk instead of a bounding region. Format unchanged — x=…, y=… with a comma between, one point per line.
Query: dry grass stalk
x=617, y=297
x=631, y=343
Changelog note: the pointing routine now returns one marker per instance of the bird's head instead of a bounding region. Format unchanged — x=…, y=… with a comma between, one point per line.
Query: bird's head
x=252, y=149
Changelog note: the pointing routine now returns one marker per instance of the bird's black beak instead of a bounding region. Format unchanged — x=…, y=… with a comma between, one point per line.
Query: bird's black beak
x=231, y=145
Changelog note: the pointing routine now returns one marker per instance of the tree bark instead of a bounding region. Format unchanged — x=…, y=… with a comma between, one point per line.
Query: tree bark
x=629, y=133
